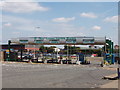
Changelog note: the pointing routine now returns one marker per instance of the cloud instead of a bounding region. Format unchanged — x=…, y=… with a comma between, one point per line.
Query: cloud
x=20, y=27
x=88, y=15
x=7, y=24
x=63, y=19
x=64, y=0
x=18, y=0
x=17, y=23
x=16, y=32
x=96, y=27
x=22, y=7
x=66, y=30
x=28, y=27
x=113, y=19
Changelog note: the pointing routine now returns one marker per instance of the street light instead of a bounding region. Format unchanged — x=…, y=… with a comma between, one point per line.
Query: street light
x=57, y=50
x=34, y=44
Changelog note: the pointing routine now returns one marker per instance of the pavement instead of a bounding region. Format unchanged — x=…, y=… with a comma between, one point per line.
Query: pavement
x=113, y=76
x=113, y=84
x=28, y=75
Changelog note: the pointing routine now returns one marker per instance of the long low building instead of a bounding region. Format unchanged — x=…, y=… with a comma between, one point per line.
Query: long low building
x=5, y=47
x=60, y=40
x=13, y=46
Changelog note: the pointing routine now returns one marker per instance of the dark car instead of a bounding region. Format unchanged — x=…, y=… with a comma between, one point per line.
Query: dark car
x=25, y=57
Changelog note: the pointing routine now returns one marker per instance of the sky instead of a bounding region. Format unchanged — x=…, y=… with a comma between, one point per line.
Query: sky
x=57, y=19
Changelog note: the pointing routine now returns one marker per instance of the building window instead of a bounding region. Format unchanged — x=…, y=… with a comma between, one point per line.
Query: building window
x=54, y=41
x=38, y=41
x=71, y=41
x=23, y=41
x=88, y=40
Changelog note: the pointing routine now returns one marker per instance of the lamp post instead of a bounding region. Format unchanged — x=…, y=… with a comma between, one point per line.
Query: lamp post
x=67, y=53
x=34, y=44
x=34, y=52
x=57, y=50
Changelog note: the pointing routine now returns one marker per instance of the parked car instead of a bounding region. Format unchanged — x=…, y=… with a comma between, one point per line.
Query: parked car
x=25, y=57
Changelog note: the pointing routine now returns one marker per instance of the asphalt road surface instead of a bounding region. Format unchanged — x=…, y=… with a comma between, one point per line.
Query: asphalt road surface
x=27, y=75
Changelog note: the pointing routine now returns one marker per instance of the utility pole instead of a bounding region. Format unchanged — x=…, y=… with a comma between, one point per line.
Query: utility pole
x=67, y=53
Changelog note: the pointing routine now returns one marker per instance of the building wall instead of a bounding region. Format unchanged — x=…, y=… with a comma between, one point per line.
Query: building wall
x=1, y=56
x=13, y=46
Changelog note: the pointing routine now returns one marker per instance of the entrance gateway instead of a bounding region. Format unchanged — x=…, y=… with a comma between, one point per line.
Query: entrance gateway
x=60, y=40
x=63, y=41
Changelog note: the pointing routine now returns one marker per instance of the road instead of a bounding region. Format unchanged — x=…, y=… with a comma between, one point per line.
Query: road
x=27, y=75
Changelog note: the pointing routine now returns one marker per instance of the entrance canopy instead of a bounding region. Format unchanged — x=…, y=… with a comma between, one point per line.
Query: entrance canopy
x=60, y=40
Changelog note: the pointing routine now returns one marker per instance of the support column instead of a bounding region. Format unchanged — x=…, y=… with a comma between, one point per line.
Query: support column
x=111, y=47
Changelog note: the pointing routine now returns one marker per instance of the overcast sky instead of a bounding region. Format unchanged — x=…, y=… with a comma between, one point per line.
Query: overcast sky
x=26, y=19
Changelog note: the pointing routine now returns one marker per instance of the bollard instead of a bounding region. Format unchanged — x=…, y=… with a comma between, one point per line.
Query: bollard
x=61, y=62
x=78, y=62
x=118, y=73
x=44, y=61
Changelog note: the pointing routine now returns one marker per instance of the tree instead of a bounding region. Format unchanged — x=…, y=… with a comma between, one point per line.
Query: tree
x=50, y=49
x=47, y=49
x=71, y=49
x=42, y=49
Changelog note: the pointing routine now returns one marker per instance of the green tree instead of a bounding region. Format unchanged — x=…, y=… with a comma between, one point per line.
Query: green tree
x=50, y=49
x=71, y=49
x=42, y=49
